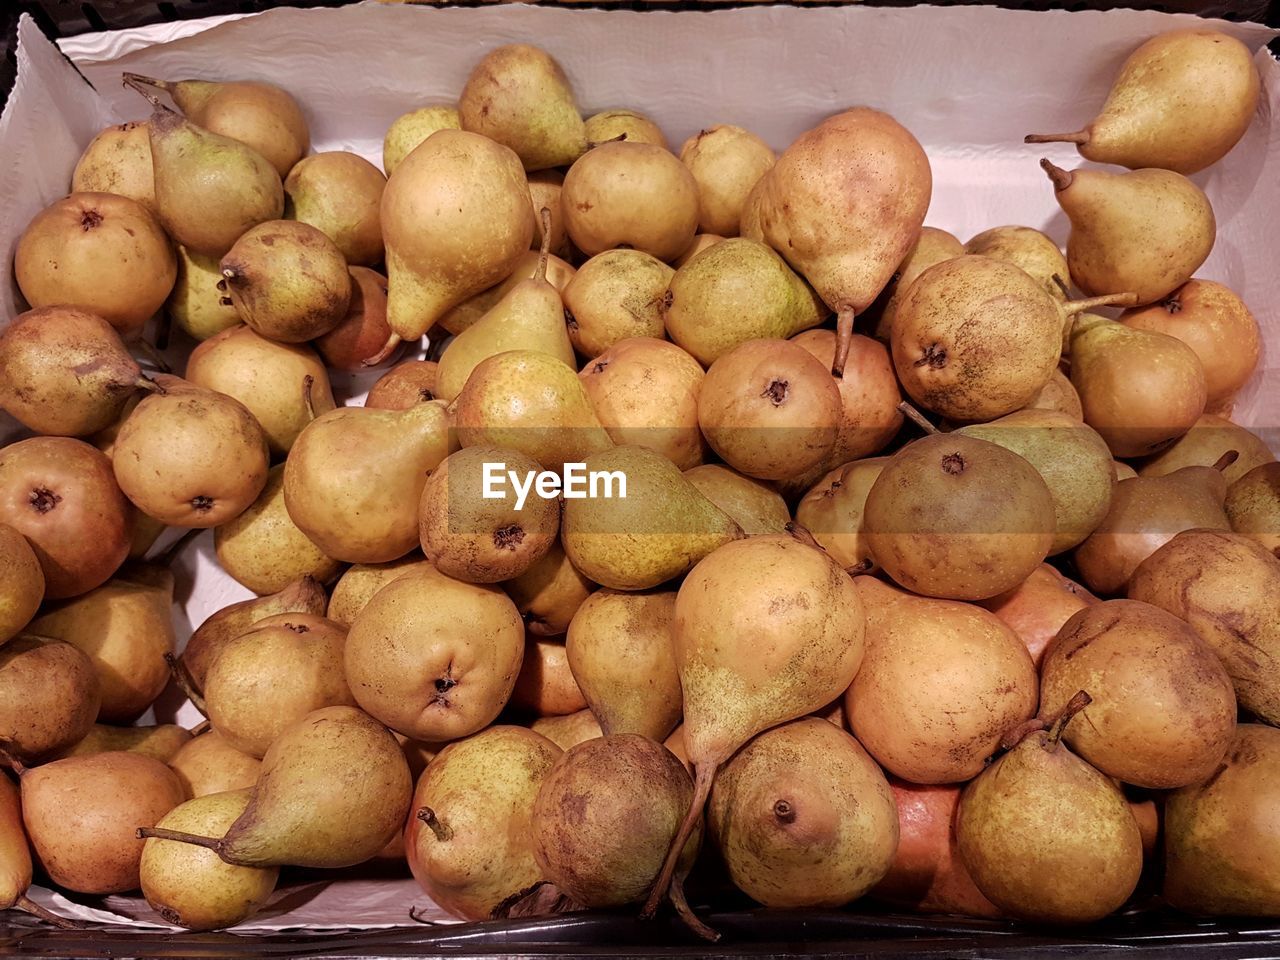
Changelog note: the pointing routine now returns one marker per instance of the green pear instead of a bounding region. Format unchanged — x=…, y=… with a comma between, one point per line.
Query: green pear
x=197, y=305
x=614, y=296
x=754, y=504
x=162, y=741
x=458, y=318
x=410, y=129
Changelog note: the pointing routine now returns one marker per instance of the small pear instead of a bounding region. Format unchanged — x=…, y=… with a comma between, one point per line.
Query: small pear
x=1253, y=506
x=333, y=791
x=162, y=741
x=268, y=377
x=1059, y=395
x=410, y=129
x=1163, y=708
x=193, y=888
x=658, y=530
x=209, y=188
x=519, y=96
x=356, y=587
x=635, y=195
x=701, y=242
x=1029, y=249
x=264, y=550
x=49, y=695
x=191, y=457
x=407, y=384
x=475, y=239
x=727, y=162
x=527, y=265
x=614, y=296
x=435, y=658
x=645, y=392
x=469, y=839
x=1022, y=832
x=531, y=402
x=545, y=188
x=1208, y=440
x=569, y=730
x=549, y=593
x=1147, y=231
x=627, y=125
x=753, y=504
x=546, y=686
x=933, y=246
x=1181, y=101
x=803, y=817
x=197, y=305
x=118, y=160
x=738, y=290
x=340, y=194
x=620, y=652
x=21, y=582
x=209, y=764
x=833, y=512
x=1037, y=608
x=354, y=477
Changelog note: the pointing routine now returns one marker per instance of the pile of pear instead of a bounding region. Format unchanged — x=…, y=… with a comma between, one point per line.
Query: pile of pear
x=934, y=581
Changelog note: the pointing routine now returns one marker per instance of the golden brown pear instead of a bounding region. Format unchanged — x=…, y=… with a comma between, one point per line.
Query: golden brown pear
x=833, y=512
x=21, y=582
x=1037, y=608
x=410, y=129
x=612, y=124
x=364, y=329
x=1029, y=249
x=933, y=246
x=404, y=385
x=1058, y=394
x=1253, y=506
x=546, y=686
x=569, y=730
x=356, y=587
x=197, y=305
x=727, y=162
x=549, y=593
x=340, y=194
x=49, y=696
x=559, y=272
x=753, y=504
x=615, y=295
x=162, y=741
x=209, y=764
x=1208, y=441
x=118, y=160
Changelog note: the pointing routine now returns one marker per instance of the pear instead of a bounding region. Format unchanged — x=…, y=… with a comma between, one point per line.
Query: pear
x=1146, y=513
x=259, y=115
x=769, y=408
x=549, y=593
x=1181, y=101
x=1071, y=457
x=196, y=304
x=356, y=587
x=530, y=317
x=1219, y=584
x=645, y=392
x=1220, y=856
x=959, y=518
x=408, y=383
x=738, y=290
x=162, y=741
x=435, y=658
x=803, y=817
x=340, y=194
x=1046, y=836
x=603, y=816
x=832, y=511
x=933, y=246
x=701, y=242
x=977, y=338
x=546, y=686
x=569, y=730
x=727, y=162
x=21, y=582
x=844, y=204
x=1037, y=608
x=209, y=188
x=927, y=874
x=627, y=125
x=280, y=671
x=469, y=839
x=619, y=649
x=530, y=402
x=469, y=534
x=755, y=651
x=125, y=627
x=940, y=684
x=1214, y=322
x=302, y=596
x=660, y=528
x=410, y=129
x=82, y=814
x=49, y=695
x=474, y=240
x=519, y=96
x=193, y=888
x=354, y=476
x=1139, y=389
x=1163, y=708
x=614, y=296
x=1058, y=394
x=264, y=550
x=1209, y=439
x=527, y=265
x=102, y=253
x=545, y=188
x=1029, y=249
x=630, y=195
x=60, y=494
x=191, y=457
x=334, y=789
x=118, y=160
x=1253, y=506
x=753, y=504
x=15, y=859
x=1123, y=471
x=209, y=764
x=268, y=377
x=1147, y=231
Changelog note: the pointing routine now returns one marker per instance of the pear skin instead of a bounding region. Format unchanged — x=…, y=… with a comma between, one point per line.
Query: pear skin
x=754, y=504
x=1253, y=506
x=118, y=160
x=727, y=162
x=21, y=582
x=549, y=593
x=1037, y=608
x=569, y=730
x=1029, y=249
x=410, y=129
x=933, y=246
x=356, y=587
x=49, y=695
x=832, y=512
x=209, y=764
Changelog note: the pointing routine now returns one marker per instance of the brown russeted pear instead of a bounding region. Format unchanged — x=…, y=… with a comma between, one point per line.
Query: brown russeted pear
x=1253, y=505
x=832, y=511
x=209, y=764
x=21, y=582
x=932, y=246
x=197, y=305
x=408, y=383
x=615, y=295
x=1029, y=249
x=753, y=504
x=612, y=124
x=364, y=329
x=546, y=686
x=1209, y=439
x=15, y=859
x=356, y=587
x=1180, y=102
x=410, y=129
x=559, y=272
x=162, y=741
x=49, y=696
x=118, y=160
x=549, y=593
x=727, y=162
x=1037, y=608
x=340, y=194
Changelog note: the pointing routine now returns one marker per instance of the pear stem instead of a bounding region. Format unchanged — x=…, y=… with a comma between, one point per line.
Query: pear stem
x=1074, y=706
x=919, y=419
x=135, y=82
x=307, y=383
x=204, y=726
x=152, y=354
x=1062, y=285
x=441, y=830
x=803, y=535
x=186, y=683
x=388, y=348
x=9, y=760
x=704, y=776
x=1061, y=178
x=1022, y=731
x=844, y=339
x=1078, y=138
x=592, y=144
x=685, y=912
x=146, y=383
x=132, y=79
x=545, y=250
x=1226, y=460
x=27, y=905
x=1072, y=307
x=178, y=836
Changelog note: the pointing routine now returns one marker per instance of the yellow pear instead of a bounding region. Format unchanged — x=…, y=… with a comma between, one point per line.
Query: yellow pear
x=727, y=162
x=412, y=128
